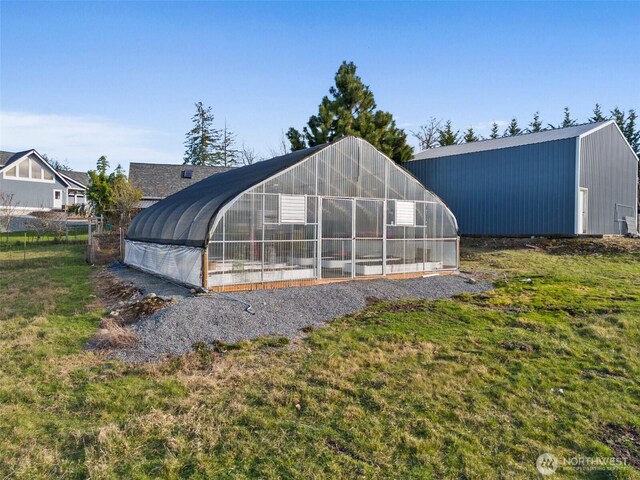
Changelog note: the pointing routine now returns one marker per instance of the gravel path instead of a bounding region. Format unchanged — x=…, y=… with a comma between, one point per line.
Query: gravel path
x=280, y=312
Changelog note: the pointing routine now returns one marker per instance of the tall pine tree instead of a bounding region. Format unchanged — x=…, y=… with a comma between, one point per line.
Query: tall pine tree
x=351, y=110
x=597, y=115
x=203, y=140
x=470, y=136
x=494, y=131
x=446, y=135
x=226, y=153
x=633, y=135
x=567, y=121
x=536, y=124
x=512, y=129
x=619, y=116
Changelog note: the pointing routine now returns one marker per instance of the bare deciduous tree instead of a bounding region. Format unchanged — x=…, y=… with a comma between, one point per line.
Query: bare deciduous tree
x=283, y=147
x=8, y=208
x=125, y=197
x=427, y=135
x=47, y=222
x=248, y=155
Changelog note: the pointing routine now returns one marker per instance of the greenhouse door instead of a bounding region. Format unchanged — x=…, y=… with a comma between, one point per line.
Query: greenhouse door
x=368, y=240
x=336, y=244
x=352, y=237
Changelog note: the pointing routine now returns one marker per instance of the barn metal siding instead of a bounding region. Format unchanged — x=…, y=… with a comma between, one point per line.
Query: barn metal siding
x=523, y=190
x=608, y=169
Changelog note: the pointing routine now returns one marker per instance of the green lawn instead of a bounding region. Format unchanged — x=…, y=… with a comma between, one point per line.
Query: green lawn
x=12, y=239
x=463, y=388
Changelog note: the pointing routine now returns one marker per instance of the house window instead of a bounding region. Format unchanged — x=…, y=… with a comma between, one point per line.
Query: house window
x=11, y=172
x=36, y=170
x=57, y=194
x=47, y=175
x=293, y=209
x=405, y=213
x=23, y=169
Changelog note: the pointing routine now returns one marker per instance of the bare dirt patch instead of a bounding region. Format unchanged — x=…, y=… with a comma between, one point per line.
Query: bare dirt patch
x=517, y=346
x=112, y=290
x=555, y=246
x=126, y=306
x=624, y=440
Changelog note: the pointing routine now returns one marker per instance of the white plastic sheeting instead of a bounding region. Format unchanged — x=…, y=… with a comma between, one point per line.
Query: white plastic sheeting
x=179, y=263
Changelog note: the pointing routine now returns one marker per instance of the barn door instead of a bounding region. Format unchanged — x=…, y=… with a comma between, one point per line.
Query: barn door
x=583, y=210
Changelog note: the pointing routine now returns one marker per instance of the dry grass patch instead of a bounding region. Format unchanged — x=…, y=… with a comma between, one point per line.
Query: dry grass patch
x=113, y=335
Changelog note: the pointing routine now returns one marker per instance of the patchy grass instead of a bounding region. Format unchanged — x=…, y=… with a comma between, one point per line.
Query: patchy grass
x=75, y=234
x=474, y=387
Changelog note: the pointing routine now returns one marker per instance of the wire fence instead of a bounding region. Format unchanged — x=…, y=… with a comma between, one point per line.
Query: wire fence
x=75, y=245
x=47, y=253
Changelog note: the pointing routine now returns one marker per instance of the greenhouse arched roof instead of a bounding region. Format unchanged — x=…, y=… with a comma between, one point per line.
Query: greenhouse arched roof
x=184, y=218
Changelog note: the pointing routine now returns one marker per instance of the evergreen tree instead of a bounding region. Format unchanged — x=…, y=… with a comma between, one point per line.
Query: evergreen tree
x=296, y=139
x=226, y=153
x=536, y=124
x=597, y=114
x=494, y=131
x=619, y=116
x=101, y=165
x=100, y=189
x=351, y=110
x=446, y=135
x=512, y=129
x=630, y=132
x=567, y=121
x=203, y=140
x=470, y=136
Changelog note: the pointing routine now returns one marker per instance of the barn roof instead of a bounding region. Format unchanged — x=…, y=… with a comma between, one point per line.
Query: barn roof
x=515, y=141
x=184, y=218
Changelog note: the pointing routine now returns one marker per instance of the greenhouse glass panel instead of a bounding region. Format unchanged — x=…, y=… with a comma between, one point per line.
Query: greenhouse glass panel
x=335, y=211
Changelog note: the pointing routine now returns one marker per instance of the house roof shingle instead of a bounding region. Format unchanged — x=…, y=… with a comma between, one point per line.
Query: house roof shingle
x=81, y=177
x=159, y=180
x=7, y=158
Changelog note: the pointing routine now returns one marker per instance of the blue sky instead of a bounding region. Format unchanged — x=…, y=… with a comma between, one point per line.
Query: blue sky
x=82, y=79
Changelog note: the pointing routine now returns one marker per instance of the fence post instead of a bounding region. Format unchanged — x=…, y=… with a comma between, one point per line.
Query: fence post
x=24, y=251
x=89, y=242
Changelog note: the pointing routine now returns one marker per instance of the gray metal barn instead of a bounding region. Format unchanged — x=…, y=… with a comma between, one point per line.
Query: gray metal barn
x=571, y=181
x=331, y=212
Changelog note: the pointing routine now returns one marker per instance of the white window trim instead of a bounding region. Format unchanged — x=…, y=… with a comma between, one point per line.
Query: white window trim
x=30, y=179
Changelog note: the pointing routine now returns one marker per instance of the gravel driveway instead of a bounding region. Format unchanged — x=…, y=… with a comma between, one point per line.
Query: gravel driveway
x=280, y=312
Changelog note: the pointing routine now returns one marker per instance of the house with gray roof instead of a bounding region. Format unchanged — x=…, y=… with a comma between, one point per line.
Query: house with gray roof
x=580, y=180
x=34, y=184
x=159, y=180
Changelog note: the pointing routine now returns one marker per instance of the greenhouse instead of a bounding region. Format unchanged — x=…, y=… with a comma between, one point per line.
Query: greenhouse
x=331, y=212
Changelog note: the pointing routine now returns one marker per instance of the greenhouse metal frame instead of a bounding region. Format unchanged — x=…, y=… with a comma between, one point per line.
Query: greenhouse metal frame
x=335, y=212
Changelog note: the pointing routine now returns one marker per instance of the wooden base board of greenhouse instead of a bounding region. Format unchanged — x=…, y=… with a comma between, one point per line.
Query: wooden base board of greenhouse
x=306, y=283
